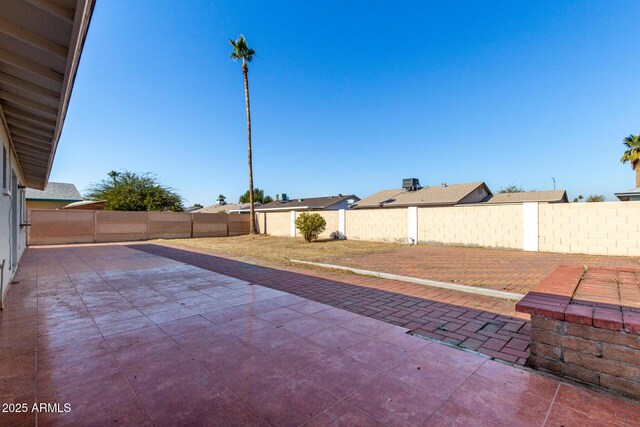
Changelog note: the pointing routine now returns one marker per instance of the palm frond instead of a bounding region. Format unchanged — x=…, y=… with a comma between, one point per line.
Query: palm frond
x=241, y=50
x=632, y=154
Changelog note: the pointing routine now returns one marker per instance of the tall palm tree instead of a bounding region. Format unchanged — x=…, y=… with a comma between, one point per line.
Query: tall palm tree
x=242, y=52
x=632, y=155
x=114, y=175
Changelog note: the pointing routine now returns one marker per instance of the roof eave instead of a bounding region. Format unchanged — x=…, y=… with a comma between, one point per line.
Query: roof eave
x=32, y=199
x=36, y=86
x=81, y=24
x=409, y=205
x=291, y=208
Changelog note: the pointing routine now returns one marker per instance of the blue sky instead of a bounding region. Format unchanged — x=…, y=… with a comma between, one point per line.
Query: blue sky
x=351, y=97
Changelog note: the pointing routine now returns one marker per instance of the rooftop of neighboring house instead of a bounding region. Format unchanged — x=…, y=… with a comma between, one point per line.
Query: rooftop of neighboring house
x=55, y=192
x=553, y=196
x=226, y=207
x=94, y=205
x=629, y=195
x=308, y=203
x=192, y=208
x=438, y=195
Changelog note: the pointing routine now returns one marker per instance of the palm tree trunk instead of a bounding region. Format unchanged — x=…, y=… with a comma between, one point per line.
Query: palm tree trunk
x=252, y=220
x=637, y=176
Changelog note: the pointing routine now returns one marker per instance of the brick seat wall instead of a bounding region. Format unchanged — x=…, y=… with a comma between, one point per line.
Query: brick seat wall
x=585, y=325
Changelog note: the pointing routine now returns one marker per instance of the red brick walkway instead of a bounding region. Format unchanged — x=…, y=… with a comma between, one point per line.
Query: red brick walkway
x=513, y=271
x=484, y=324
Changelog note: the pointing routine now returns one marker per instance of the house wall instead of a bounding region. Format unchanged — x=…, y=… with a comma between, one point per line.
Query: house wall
x=476, y=196
x=486, y=226
x=7, y=224
x=43, y=204
x=341, y=205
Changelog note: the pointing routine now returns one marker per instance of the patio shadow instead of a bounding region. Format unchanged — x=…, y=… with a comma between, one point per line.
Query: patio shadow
x=444, y=315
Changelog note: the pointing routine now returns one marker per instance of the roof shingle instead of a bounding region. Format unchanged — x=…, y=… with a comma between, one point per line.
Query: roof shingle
x=218, y=208
x=55, y=191
x=426, y=196
x=307, y=203
x=552, y=196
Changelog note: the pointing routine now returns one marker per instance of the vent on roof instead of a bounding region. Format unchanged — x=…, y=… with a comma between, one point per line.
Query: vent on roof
x=410, y=184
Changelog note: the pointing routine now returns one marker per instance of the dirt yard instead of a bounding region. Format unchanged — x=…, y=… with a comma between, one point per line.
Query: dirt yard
x=498, y=269
x=261, y=248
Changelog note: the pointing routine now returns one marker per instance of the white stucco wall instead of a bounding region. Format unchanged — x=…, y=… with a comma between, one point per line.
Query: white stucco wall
x=5, y=213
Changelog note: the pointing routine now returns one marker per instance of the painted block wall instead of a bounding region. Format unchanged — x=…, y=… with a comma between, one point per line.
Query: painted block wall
x=277, y=224
x=380, y=225
x=606, y=228
x=485, y=226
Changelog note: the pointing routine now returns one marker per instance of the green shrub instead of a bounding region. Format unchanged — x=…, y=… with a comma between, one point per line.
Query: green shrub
x=310, y=225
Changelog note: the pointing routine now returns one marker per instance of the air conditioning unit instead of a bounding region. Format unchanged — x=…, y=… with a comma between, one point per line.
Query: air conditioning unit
x=410, y=184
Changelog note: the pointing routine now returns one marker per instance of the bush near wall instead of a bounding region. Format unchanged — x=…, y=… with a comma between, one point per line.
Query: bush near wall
x=310, y=225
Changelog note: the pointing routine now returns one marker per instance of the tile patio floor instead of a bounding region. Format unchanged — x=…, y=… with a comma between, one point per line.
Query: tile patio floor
x=131, y=338
x=484, y=324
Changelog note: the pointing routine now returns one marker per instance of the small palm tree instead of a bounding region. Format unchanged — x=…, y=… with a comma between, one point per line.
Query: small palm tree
x=242, y=52
x=114, y=175
x=632, y=155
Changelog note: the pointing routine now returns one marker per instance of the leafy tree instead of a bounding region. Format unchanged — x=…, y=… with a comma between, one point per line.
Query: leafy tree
x=578, y=199
x=310, y=225
x=221, y=198
x=258, y=197
x=511, y=189
x=242, y=52
x=595, y=198
x=128, y=191
x=197, y=206
x=632, y=155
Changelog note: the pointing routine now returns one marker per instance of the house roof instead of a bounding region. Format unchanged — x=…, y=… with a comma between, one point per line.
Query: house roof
x=628, y=195
x=306, y=203
x=40, y=49
x=55, y=191
x=217, y=208
x=425, y=196
x=553, y=196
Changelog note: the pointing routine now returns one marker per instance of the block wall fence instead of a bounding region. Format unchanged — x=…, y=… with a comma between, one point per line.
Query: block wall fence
x=51, y=227
x=606, y=228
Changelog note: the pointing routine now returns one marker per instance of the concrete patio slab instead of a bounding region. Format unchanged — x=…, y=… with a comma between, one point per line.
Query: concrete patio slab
x=126, y=337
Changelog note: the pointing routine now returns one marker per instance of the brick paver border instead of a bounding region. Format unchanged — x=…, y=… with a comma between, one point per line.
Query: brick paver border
x=496, y=335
